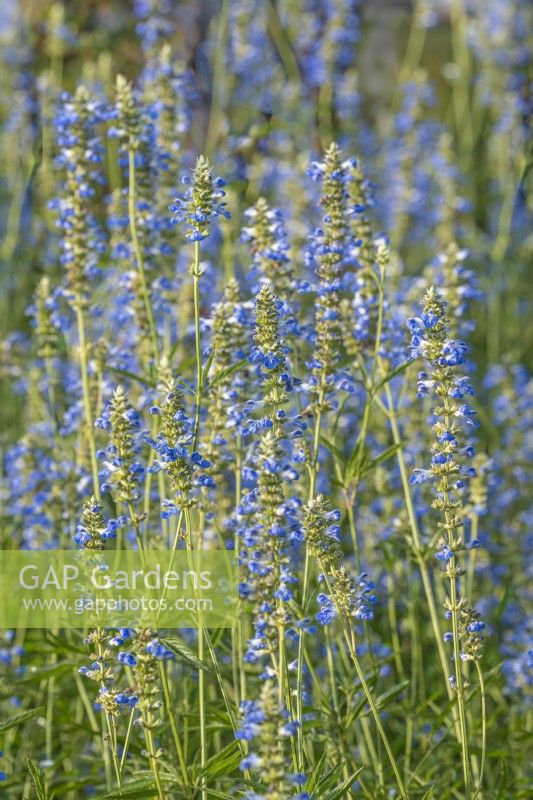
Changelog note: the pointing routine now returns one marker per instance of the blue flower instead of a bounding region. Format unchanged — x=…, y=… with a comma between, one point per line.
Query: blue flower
x=444, y=554
x=327, y=612
x=128, y=659
x=251, y=761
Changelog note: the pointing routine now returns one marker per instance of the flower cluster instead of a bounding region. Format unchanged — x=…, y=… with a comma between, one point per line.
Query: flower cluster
x=201, y=202
x=450, y=465
x=470, y=629
x=129, y=118
x=332, y=252
x=268, y=242
x=450, y=456
x=145, y=653
x=267, y=722
x=230, y=332
x=122, y=467
x=350, y=597
x=110, y=699
x=186, y=469
x=270, y=353
x=44, y=312
x=92, y=532
x=79, y=157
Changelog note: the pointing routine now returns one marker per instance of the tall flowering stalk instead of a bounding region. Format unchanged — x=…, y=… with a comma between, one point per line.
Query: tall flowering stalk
x=80, y=153
x=92, y=533
x=130, y=130
x=142, y=661
x=221, y=439
x=328, y=252
x=265, y=233
x=184, y=470
x=195, y=209
x=122, y=471
x=448, y=473
x=348, y=597
x=121, y=465
x=265, y=723
x=269, y=525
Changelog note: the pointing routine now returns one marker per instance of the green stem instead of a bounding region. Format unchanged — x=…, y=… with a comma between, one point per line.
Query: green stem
x=110, y=738
x=282, y=43
x=114, y=754
x=483, y=728
x=152, y=757
x=127, y=741
x=173, y=726
x=201, y=676
x=411, y=60
x=350, y=640
x=201, y=702
x=138, y=537
x=49, y=714
x=305, y=584
x=198, y=345
x=375, y=713
x=219, y=84
x=469, y=580
x=82, y=345
x=460, y=92
x=416, y=546
x=132, y=203
x=459, y=682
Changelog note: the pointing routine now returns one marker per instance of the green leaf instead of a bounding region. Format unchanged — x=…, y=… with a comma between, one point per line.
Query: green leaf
x=207, y=367
x=341, y=790
x=225, y=762
x=355, y=463
x=49, y=671
x=184, y=653
x=224, y=373
x=186, y=386
x=18, y=719
x=59, y=644
x=332, y=448
x=135, y=790
x=38, y=782
x=313, y=779
x=391, y=375
x=384, y=698
x=386, y=454
x=327, y=780
x=133, y=377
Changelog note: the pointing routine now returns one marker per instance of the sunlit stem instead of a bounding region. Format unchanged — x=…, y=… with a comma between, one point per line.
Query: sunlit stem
x=198, y=343
x=132, y=204
x=89, y=422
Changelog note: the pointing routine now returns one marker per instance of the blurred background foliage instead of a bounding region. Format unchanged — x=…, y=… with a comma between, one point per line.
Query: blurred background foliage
x=434, y=95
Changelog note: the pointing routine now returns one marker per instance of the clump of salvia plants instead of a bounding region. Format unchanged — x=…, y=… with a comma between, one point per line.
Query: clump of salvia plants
x=266, y=299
